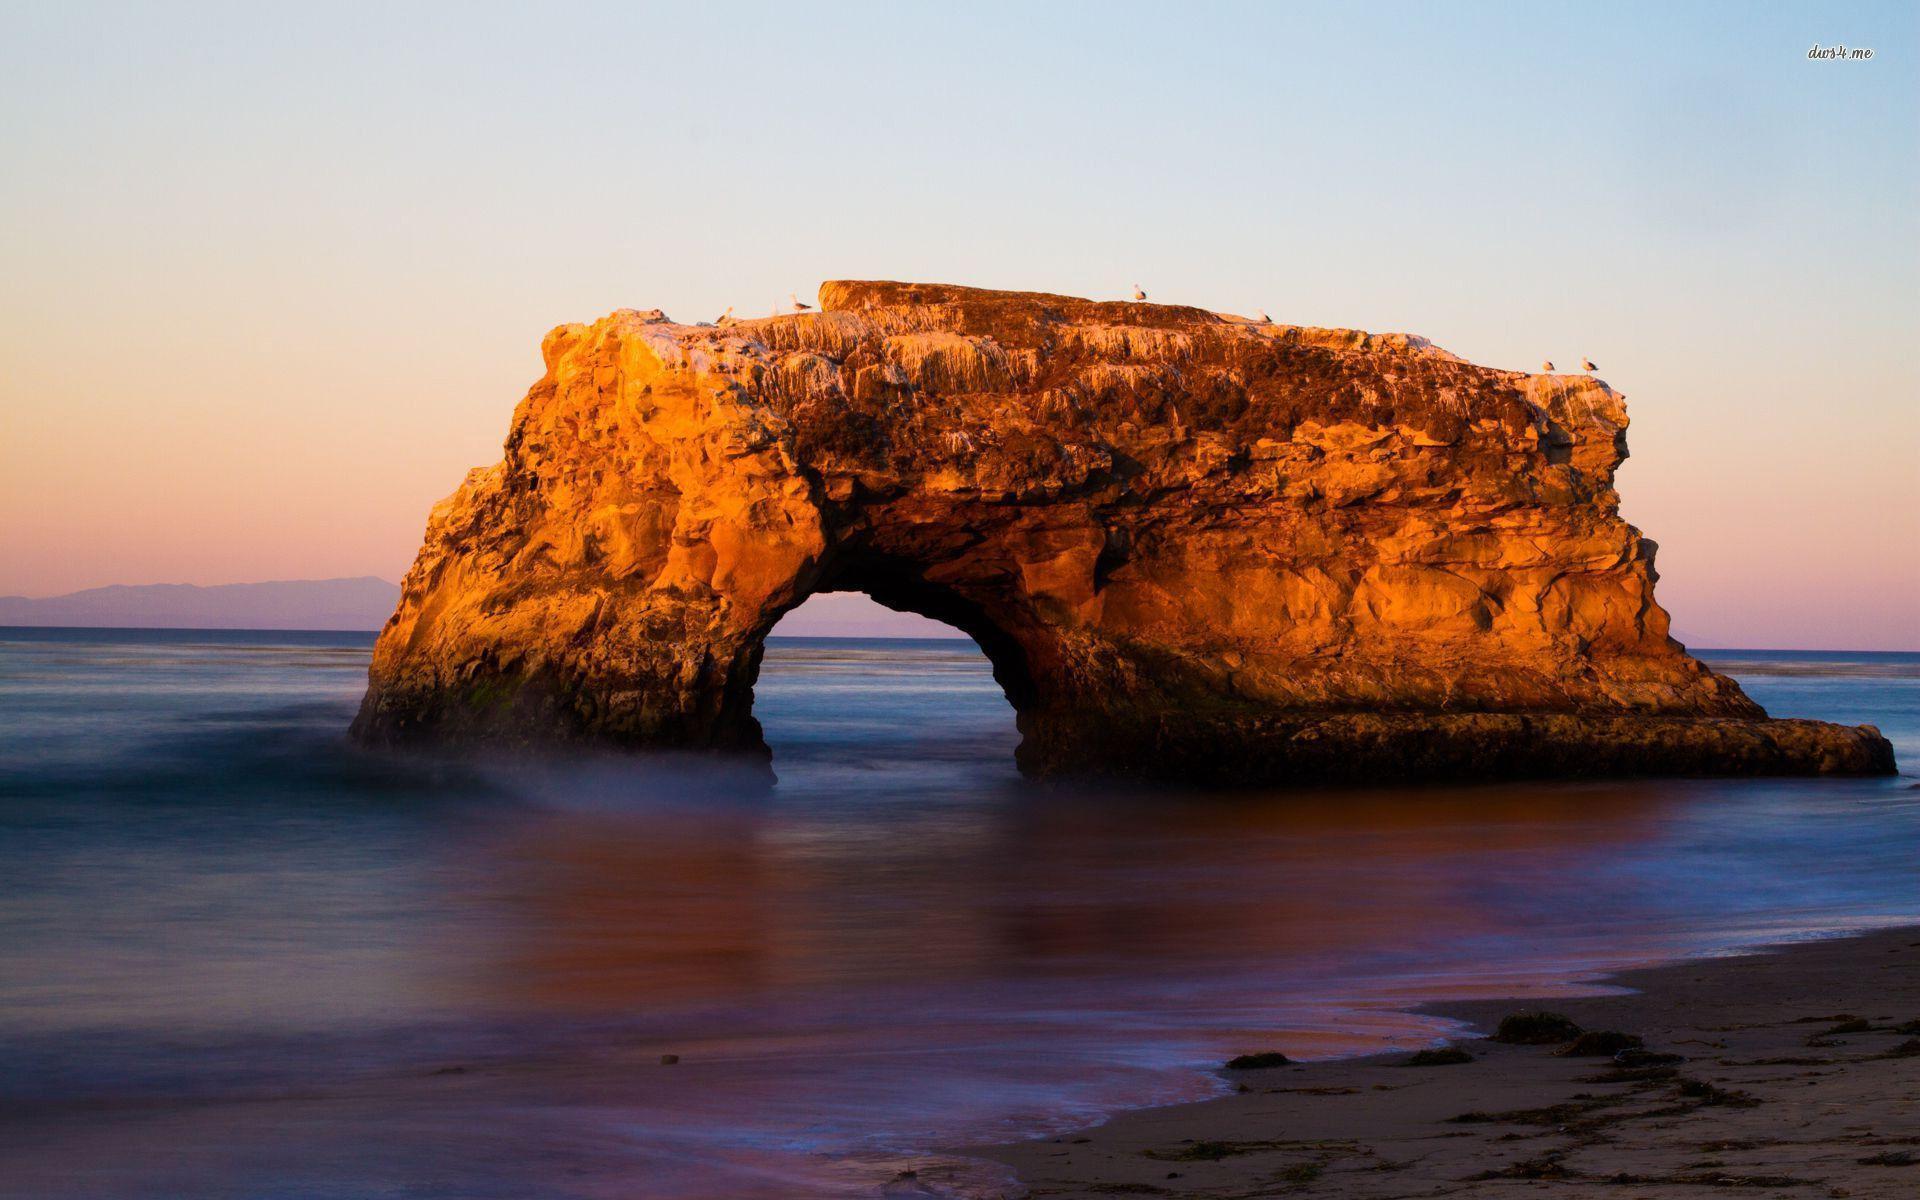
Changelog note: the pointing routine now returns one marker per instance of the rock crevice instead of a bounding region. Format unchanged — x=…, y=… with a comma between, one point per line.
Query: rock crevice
x=1191, y=543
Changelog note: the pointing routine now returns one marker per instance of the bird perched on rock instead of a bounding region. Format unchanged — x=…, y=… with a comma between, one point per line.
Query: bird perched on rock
x=1546, y=368
x=1137, y=293
x=725, y=317
x=1262, y=317
x=1588, y=365
x=797, y=305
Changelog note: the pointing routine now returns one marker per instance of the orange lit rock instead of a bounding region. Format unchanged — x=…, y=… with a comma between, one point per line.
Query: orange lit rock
x=1190, y=544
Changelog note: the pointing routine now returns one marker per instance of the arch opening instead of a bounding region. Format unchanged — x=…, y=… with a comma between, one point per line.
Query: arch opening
x=951, y=683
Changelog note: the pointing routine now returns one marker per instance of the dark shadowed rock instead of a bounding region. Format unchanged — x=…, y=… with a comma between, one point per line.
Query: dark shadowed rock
x=1259, y=1062
x=1536, y=1029
x=1600, y=1043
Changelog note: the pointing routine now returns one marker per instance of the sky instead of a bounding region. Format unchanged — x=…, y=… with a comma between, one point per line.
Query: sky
x=273, y=276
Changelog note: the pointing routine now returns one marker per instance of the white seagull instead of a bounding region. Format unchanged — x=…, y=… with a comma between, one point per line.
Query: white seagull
x=1588, y=365
x=1137, y=293
x=1261, y=316
x=797, y=305
x=1547, y=367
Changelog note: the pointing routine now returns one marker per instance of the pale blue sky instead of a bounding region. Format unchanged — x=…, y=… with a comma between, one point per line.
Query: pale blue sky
x=272, y=277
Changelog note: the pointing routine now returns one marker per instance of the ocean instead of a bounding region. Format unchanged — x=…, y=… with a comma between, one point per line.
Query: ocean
x=241, y=958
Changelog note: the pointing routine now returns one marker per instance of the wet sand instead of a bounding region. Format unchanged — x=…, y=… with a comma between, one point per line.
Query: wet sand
x=1801, y=1079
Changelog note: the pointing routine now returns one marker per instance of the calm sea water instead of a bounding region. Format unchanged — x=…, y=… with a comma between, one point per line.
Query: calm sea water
x=239, y=958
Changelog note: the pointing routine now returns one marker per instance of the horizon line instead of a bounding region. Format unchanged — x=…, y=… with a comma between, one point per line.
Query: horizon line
x=956, y=636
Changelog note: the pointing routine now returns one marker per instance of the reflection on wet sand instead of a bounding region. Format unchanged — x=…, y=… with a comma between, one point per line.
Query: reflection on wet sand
x=610, y=912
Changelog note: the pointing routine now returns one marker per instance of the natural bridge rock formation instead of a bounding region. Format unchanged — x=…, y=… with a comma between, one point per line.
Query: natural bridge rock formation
x=1192, y=544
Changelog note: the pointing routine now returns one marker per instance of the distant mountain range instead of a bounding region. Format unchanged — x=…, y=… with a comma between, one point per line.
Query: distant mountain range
x=363, y=603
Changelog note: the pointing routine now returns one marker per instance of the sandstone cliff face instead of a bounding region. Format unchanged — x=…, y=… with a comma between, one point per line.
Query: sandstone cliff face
x=1189, y=542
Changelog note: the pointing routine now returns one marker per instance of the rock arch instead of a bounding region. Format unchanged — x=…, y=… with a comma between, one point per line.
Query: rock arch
x=1192, y=545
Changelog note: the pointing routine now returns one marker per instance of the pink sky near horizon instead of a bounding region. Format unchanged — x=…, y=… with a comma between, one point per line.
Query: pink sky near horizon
x=268, y=290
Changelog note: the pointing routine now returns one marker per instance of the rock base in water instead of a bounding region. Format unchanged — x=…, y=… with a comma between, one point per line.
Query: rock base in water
x=1417, y=748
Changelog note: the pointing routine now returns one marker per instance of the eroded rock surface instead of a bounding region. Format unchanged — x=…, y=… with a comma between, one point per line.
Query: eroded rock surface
x=1192, y=544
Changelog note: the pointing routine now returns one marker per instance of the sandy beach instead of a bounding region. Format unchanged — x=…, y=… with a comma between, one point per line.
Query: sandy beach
x=1797, y=1075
